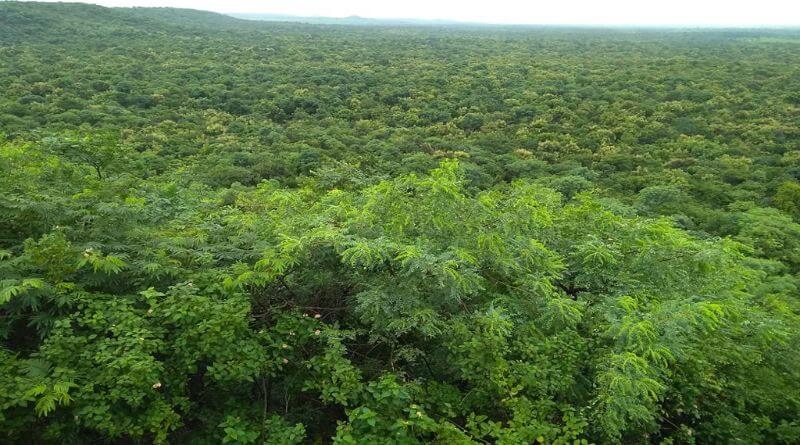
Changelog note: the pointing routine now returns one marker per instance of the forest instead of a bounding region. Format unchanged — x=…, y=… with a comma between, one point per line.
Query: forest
x=216, y=230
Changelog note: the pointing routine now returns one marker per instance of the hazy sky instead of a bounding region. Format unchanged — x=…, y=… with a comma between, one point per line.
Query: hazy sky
x=647, y=12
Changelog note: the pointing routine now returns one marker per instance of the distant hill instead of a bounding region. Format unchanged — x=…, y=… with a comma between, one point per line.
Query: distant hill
x=351, y=20
x=55, y=21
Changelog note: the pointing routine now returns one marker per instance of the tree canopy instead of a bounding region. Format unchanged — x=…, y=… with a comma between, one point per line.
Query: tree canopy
x=226, y=231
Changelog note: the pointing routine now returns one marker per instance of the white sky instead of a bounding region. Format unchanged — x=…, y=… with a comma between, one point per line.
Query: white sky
x=624, y=12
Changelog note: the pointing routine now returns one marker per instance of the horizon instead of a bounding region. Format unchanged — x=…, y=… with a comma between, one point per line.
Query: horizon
x=580, y=13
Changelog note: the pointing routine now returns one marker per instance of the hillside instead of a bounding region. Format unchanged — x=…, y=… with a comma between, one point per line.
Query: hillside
x=20, y=21
x=216, y=230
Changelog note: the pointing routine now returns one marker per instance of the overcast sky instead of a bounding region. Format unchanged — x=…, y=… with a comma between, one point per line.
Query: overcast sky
x=626, y=12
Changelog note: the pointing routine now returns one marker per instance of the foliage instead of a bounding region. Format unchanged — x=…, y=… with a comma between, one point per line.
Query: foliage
x=275, y=233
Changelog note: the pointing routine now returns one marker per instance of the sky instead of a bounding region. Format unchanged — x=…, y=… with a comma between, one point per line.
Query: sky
x=582, y=12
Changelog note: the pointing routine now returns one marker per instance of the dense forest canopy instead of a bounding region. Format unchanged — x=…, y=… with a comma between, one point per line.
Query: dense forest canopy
x=220, y=230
